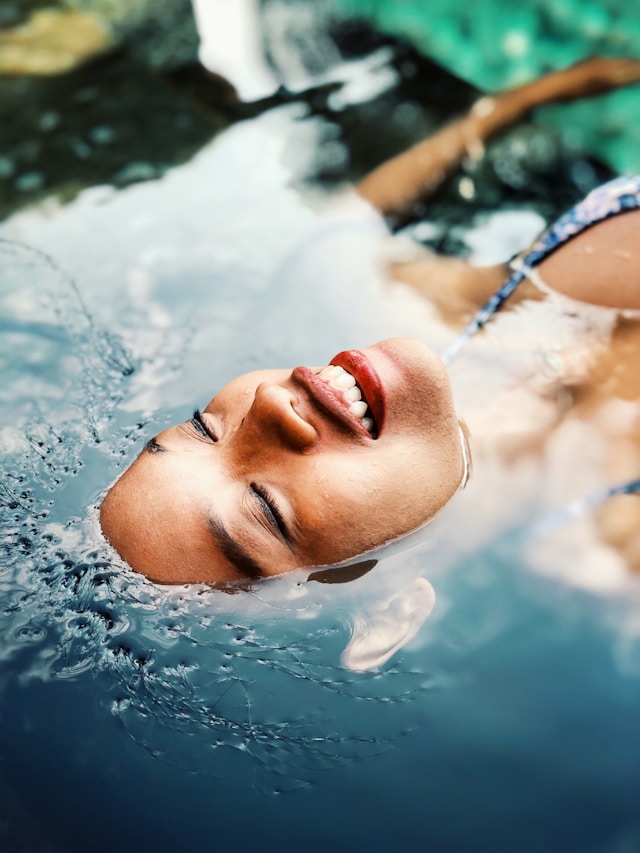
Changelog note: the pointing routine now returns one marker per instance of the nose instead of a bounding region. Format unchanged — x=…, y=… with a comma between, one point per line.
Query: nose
x=273, y=413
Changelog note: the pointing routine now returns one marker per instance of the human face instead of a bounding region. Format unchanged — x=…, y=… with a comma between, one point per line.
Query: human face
x=277, y=473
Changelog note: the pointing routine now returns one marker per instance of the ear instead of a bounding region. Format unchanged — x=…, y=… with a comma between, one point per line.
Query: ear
x=343, y=574
x=379, y=634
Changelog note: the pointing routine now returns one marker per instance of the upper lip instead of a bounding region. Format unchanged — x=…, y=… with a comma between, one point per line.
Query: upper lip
x=332, y=403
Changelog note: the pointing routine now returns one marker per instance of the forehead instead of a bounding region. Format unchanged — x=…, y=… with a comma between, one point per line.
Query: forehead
x=155, y=525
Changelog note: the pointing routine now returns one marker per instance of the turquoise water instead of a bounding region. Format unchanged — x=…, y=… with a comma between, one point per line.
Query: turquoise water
x=145, y=718
x=495, y=46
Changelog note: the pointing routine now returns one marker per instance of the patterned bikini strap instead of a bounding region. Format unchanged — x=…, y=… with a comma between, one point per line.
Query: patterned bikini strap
x=608, y=200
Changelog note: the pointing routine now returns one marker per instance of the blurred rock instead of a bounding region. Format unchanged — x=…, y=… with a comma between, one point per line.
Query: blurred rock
x=62, y=35
x=133, y=113
x=52, y=41
x=112, y=121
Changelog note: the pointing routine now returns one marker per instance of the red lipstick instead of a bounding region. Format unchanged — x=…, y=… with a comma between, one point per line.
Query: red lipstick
x=369, y=382
x=329, y=400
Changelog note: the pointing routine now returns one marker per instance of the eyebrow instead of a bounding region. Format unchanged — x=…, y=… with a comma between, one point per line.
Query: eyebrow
x=234, y=551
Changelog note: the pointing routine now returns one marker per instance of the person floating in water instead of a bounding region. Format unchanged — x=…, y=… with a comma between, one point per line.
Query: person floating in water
x=285, y=469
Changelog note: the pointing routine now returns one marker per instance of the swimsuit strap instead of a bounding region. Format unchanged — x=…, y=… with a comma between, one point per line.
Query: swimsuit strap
x=610, y=199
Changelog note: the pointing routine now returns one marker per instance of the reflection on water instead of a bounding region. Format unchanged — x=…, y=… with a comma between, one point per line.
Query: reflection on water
x=170, y=717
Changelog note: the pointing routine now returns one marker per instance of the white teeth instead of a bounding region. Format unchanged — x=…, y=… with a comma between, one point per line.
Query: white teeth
x=331, y=372
x=339, y=379
x=358, y=409
x=344, y=381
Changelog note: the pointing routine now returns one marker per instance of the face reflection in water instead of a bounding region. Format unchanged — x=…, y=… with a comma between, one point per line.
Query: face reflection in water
x=277, y=474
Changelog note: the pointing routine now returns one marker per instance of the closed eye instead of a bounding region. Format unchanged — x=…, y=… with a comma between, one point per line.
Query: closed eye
x=272, y=512
x=201, y=426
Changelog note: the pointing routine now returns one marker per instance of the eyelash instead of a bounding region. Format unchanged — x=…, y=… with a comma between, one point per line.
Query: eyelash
x=271, y=506
x=201, y=427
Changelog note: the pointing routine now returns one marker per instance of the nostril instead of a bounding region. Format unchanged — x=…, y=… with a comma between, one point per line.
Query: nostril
x=276, y=407
x=284, y=409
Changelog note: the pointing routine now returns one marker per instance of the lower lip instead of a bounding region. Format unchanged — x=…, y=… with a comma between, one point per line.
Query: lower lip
x=359, y=366
x=329, y=400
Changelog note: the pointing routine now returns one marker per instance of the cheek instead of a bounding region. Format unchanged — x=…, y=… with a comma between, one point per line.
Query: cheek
x=428, y=410
x=354, y=505
x=370, y=497
x=413, y=482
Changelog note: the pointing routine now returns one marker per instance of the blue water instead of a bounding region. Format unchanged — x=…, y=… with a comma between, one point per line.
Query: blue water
x=135, y=717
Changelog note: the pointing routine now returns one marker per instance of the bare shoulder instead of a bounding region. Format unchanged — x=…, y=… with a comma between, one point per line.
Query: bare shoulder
x=601, y=265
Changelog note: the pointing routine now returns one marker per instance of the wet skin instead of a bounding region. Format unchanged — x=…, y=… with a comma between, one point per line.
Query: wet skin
x=275, y=474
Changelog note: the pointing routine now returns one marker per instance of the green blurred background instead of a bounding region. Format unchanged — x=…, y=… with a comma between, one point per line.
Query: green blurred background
x=110, y=91
x=494, y=44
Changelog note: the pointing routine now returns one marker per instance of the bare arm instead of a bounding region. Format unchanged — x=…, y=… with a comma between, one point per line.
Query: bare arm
x=417, y=173
x=600, y=266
